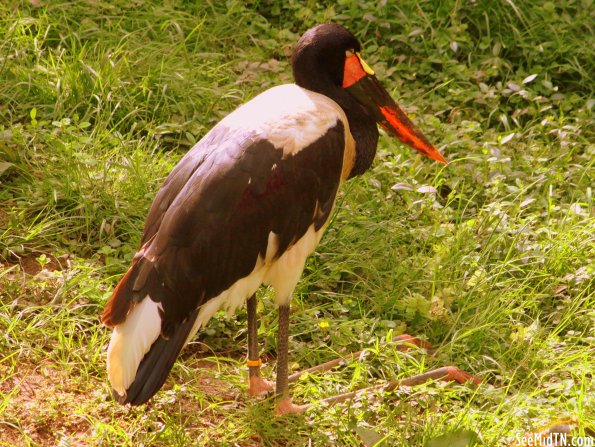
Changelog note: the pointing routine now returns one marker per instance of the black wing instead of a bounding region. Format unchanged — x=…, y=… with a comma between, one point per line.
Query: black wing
x=212, y=218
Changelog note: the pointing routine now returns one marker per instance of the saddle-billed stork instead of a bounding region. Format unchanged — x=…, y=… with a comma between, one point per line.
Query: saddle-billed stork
x=245, y=207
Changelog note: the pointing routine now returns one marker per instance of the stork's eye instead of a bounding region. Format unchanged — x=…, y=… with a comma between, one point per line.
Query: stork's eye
x=349, y=53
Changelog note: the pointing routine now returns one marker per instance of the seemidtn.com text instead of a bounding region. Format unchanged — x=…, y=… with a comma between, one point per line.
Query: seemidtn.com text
x=554, y=440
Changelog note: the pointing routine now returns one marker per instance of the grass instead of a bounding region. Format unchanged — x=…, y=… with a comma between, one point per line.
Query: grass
x=490, y=258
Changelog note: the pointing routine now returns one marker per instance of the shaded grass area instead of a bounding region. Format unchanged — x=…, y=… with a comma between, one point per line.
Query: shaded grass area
x=490, y=258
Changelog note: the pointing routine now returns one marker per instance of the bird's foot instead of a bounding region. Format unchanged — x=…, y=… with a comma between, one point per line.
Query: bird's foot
x=286, y=406
x=258, y=386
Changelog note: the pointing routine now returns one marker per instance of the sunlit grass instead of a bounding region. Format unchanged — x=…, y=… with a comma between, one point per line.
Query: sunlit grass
x=489, y=258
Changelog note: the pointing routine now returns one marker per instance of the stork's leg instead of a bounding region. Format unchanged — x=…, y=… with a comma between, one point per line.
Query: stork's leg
x=284, y=405
x=257, y=385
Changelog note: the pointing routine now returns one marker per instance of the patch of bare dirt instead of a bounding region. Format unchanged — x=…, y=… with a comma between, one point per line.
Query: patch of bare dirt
x=50, y=406
x=32, y=282
x=3, y=218
x=31, y=265
x=42, y=409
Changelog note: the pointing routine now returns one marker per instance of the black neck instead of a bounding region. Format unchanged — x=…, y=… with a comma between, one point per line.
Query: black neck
x=362, y=125
x=364, y=131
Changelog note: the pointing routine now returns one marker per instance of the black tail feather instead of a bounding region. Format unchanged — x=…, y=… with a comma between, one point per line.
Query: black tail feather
x=156, y=365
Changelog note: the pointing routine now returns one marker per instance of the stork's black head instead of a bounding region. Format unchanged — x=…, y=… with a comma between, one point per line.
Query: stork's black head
x=323, y=49
x=327, y=60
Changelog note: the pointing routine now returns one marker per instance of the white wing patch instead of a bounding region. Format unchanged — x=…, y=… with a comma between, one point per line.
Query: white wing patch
x=288, y=116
